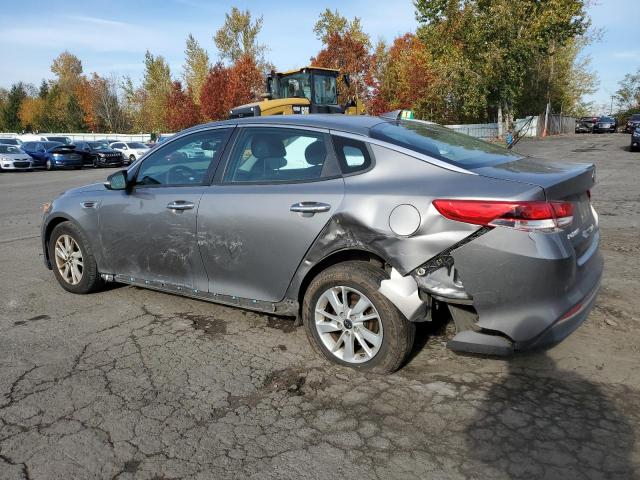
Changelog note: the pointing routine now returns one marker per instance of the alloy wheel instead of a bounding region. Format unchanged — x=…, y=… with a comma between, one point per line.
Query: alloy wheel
x=69, y=260
x=348, y=324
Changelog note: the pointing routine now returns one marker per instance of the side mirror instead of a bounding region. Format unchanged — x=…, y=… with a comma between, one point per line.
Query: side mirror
x=347, y=79
x=117, y=181
x=266, y=96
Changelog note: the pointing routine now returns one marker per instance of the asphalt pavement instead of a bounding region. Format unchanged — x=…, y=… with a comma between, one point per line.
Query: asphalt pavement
x=131, y=383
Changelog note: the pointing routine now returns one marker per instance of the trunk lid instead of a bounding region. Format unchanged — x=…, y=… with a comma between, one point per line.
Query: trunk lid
x=569, y=182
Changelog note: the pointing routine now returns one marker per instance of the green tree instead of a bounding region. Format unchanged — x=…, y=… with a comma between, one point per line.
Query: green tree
x=628, y=94
x=43, y=91
x=331, y=23
x=74, y=115
x=238, y=37
x=196, y=68
x=157, y=86
x=495, y=44
x=11, y=111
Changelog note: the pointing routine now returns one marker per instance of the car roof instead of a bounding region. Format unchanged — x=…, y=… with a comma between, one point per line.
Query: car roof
x=356, y=124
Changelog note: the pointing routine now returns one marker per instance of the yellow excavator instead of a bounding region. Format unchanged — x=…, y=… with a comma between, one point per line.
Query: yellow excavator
x=303, y=91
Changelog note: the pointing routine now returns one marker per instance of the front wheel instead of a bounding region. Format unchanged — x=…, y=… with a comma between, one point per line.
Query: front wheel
x=351, y=323
x=132, y=159
x=72, y=260
x=49, y=165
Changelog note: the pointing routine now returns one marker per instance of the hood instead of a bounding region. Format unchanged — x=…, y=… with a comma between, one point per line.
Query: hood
x=15, y=156
x=94, y=187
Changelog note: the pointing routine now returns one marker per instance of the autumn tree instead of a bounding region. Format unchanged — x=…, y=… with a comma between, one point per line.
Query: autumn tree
x=214, y=101
x=68, y=68
x=238, y=37
x=345, y=48
x=181, y=110
x=196, y=68
x=628, y=94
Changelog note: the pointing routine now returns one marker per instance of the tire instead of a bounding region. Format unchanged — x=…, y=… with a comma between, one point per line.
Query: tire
x=49, y=165
x=90, y=279
x=132, y=159
x=358, y=278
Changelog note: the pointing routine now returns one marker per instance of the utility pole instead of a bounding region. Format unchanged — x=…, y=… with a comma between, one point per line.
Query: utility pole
x=548, y=111
x=611, y=107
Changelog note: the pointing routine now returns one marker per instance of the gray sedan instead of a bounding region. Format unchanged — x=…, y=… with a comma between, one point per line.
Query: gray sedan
x=358, y=226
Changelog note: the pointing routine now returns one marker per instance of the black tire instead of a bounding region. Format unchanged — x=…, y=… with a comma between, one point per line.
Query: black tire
x=49, y=165
x=398, y=332
x=90, y=280
x=132, y=159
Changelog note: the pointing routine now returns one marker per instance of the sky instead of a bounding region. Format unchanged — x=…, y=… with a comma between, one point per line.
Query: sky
x=112, y=36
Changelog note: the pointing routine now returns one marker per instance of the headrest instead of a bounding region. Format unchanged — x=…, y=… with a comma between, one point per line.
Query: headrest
x=315, y=153
x=263, y=146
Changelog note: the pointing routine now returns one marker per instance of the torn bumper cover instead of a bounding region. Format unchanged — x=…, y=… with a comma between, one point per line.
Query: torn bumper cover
x=528, y=289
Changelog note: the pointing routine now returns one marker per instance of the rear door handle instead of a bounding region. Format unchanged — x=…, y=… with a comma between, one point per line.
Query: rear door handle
x=181, y=205
x=310, y=207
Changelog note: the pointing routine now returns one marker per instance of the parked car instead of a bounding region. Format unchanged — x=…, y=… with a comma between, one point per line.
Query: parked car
x=98, y=154
x=13, y=158
x=359, y=225
x=53, y=155
x=632, y=123
x=131, y=151
x=635, y=139
x=11, y=141
x=605, y=124
x=585, y=124
x=59, y=138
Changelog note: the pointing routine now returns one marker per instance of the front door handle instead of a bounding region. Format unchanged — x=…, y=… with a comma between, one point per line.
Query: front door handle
x=310, y=207
x=181, y=205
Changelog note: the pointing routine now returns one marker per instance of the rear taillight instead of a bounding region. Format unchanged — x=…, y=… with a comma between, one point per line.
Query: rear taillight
x=525, y=215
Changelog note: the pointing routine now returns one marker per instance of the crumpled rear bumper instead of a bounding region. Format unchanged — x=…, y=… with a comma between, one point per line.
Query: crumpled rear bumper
x=529, y=290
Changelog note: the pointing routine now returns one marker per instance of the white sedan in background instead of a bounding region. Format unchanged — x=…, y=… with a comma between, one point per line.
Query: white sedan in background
x=13, y=157
x=131, y=151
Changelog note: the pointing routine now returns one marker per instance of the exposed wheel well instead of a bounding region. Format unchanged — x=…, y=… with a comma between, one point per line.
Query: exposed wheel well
x=333, y=259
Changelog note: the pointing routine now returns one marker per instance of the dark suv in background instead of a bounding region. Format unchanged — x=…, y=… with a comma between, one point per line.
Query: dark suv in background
x=585, y=124
x=606, y=125
x=632, y=123
x=99, y=154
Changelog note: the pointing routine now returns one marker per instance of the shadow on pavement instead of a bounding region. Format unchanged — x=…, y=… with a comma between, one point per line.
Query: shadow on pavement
x=541, y=422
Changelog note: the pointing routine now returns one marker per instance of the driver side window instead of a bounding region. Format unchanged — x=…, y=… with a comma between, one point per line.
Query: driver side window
x=183, y=162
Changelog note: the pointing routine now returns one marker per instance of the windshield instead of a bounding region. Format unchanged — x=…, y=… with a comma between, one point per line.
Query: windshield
x=98, y=145
x=606, y=119
x=635, y=116
x=136, y=145
x=442, y=143
x=297, y=85
x=9, y=141
x=324, y=89
x=9, y=149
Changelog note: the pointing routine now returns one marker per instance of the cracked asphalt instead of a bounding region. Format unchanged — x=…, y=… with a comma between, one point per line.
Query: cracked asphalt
x=130, y=383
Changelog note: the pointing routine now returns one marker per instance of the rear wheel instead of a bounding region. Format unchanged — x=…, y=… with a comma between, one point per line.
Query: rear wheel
x=351, y=323
x=72, y=260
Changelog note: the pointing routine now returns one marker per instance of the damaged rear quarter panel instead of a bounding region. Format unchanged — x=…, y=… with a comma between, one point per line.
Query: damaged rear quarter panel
x=362, y=223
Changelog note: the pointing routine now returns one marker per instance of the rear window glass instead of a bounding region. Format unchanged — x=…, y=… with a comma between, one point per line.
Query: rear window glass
x=442, y=143
x=352, y=154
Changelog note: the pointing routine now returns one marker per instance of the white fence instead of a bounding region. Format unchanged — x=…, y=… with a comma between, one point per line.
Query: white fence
x=124, y=137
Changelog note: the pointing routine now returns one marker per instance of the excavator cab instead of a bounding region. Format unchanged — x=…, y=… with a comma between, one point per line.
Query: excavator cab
x=303, y=91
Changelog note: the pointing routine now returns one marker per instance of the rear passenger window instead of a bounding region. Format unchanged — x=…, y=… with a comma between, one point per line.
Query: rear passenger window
x=352, y=154
x=267, y=155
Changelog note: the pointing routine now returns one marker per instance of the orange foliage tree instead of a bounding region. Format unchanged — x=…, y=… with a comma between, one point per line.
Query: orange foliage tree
x=181, y=112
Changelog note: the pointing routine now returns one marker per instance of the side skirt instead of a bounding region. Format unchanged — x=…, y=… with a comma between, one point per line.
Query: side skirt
x=286, y=307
